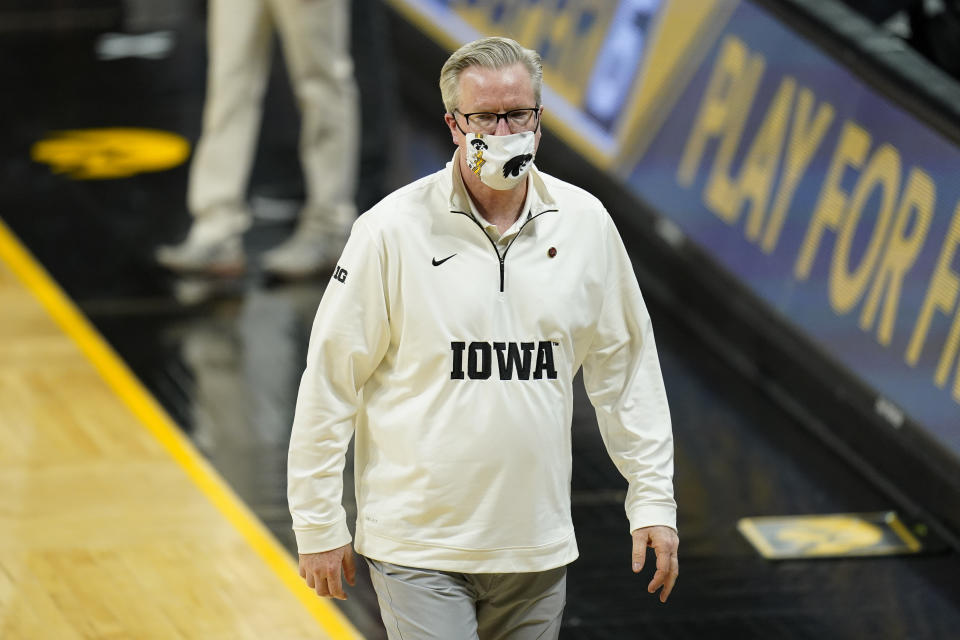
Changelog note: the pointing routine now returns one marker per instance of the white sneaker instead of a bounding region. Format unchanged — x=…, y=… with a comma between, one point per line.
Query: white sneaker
x=212, y=247
x=303, y=255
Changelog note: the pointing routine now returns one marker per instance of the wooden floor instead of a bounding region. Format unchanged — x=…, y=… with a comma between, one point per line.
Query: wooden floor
x=111, y=525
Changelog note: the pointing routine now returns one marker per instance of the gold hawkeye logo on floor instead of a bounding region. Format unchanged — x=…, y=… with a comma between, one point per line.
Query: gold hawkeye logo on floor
x=831, y=535
x=116, y=152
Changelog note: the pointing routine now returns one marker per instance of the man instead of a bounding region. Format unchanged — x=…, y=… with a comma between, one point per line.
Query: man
x=314, y=34
x=447, y=342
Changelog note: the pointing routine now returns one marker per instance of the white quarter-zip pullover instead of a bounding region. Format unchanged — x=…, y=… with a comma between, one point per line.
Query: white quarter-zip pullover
x=451, y=358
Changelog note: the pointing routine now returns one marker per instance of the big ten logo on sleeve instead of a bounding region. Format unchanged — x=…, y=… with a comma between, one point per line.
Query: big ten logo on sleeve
x=340, y=274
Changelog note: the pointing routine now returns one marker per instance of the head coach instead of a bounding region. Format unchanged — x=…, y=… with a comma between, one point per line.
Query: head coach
x=446, y=343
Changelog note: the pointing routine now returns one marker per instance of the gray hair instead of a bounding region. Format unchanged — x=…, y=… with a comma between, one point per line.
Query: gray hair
x=489, y=53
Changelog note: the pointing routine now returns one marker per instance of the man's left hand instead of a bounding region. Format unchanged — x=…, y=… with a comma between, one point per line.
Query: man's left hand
x=665, y=542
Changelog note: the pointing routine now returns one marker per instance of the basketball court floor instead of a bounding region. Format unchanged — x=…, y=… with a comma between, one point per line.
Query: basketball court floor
x=144, y=420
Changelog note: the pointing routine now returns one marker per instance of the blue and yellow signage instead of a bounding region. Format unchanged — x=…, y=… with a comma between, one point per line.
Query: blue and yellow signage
x=834, y=206
x=838, y=208
x=600, y=70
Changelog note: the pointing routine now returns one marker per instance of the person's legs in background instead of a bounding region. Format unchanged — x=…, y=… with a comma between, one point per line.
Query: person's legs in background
x=239, y=48
x=316, y=42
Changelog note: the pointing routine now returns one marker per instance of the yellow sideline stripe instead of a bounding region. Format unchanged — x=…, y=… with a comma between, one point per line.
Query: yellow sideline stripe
x=152, y=416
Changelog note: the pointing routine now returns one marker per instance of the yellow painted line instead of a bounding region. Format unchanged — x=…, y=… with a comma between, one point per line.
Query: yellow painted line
x=901, y=530
x=143, y=405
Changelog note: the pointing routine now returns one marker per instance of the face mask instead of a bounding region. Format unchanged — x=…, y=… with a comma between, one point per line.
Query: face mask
x=500, y=162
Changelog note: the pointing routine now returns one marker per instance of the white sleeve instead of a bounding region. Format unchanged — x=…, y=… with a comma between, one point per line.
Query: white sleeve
x=349, y=338
x=621, y=373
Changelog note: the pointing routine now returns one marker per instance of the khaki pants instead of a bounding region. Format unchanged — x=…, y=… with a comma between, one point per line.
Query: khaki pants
x=422, y=604
x=315, y=39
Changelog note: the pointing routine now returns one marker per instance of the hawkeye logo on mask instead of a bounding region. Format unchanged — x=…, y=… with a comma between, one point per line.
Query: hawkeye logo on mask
x=476, y=160
x=501, y=162
x=516, y=164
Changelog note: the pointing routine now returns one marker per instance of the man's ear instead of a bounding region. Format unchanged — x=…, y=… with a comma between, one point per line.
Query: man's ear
x=452, y=125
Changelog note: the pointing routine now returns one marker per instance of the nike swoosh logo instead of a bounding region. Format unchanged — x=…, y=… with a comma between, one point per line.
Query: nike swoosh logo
x=437, y=263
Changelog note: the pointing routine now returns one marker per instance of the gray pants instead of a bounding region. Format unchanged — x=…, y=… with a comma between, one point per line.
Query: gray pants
x=422, y=604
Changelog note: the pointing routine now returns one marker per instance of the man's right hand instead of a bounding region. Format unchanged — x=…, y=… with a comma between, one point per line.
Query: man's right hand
x=322, y=571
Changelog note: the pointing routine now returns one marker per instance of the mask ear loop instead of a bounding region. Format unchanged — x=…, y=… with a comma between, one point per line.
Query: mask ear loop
x=456, y=122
